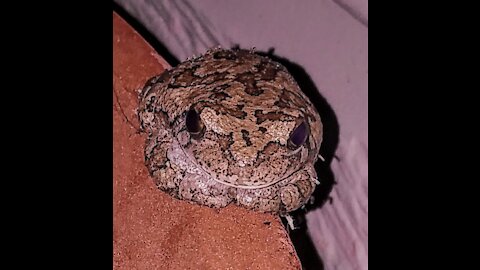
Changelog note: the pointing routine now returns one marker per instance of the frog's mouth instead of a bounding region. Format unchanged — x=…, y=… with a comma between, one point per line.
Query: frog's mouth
x=209, y=174
x=251, y=187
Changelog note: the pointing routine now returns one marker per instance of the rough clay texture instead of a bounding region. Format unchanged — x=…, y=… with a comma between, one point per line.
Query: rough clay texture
x=155, y=231
x=220, y=129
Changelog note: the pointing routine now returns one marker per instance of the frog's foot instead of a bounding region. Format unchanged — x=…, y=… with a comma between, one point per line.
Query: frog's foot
x=295, y=194
x=264, y=199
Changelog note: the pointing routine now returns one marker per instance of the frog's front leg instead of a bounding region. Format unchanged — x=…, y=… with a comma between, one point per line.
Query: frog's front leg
x=298, y=191
x=158, y=163
x=174, y=173
x=155, y=123
x=197, y=188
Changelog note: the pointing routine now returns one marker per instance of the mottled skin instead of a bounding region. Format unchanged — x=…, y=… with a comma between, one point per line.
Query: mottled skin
x=249, y=106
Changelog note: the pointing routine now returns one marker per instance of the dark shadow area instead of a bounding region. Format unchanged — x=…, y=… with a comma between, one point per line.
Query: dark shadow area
x=147, y=35
x=306, y=251
x=330, y=131
x=300, y=237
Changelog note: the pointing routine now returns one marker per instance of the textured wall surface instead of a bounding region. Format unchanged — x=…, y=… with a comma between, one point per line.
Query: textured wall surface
x=327, y=38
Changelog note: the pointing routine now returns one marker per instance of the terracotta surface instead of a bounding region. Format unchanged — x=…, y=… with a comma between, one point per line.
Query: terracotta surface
x=155, y=231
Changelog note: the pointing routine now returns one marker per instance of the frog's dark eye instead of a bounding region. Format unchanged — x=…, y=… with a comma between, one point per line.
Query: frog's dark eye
x=299, y=135
x=193, y=122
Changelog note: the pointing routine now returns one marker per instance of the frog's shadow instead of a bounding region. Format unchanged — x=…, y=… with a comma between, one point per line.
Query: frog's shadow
x=330, y=132
x=301, y=237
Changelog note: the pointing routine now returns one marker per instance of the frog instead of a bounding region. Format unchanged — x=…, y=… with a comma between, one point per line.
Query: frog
x=231, y=126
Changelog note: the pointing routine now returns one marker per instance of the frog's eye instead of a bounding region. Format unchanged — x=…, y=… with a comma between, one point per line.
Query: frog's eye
x=299, y=135
x=193, y=122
